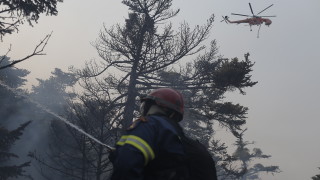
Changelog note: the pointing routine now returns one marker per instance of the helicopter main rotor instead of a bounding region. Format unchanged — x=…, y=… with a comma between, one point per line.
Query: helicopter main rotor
x=253, y=15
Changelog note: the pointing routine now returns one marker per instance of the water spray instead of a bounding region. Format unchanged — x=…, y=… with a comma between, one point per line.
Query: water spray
x=110, y=148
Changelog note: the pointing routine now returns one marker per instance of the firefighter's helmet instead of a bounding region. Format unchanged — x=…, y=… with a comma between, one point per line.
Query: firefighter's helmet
x=168, y=98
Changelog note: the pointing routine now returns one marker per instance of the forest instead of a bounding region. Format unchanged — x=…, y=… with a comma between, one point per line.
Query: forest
x=59, y=128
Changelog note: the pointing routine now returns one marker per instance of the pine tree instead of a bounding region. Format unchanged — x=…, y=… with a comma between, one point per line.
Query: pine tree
x=142, y=47
x=7, y=140
x=248, y=169
x=14, y=78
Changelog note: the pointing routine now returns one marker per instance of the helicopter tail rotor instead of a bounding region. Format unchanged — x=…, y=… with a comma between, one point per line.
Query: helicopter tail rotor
x=225, y=19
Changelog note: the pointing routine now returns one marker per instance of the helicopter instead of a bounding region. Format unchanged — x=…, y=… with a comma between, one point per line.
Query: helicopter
x=252, y=20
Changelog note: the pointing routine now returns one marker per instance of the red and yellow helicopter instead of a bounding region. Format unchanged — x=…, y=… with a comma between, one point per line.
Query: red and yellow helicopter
x=253, y=20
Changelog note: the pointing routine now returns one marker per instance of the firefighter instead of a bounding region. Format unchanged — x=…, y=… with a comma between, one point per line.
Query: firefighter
x=151, y=148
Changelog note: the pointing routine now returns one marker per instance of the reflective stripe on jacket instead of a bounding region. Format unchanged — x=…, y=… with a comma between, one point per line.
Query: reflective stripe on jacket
x=145, y=143
x=140, y=144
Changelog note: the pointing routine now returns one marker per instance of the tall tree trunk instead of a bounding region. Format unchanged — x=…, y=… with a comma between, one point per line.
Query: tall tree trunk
x=132, y=93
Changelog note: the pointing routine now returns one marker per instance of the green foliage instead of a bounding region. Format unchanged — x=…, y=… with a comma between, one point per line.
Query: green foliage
x=53, y=92
x=13, y=77
x=7, y=139
x=14, y=13
x=225, y=74
x=234, y=74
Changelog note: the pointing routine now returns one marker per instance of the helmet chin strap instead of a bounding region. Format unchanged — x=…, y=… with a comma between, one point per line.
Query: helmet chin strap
x=171, y=116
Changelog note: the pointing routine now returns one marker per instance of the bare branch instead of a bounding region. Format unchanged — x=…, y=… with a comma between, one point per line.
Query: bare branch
x=36, y=52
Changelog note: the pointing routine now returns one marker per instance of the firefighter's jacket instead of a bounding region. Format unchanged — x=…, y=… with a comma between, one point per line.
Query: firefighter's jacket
x=150, y=147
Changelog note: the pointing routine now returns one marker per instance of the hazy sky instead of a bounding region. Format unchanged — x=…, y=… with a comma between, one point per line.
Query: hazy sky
x=284, y=112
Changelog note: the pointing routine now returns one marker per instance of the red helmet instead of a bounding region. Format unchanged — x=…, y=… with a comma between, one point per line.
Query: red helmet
x=167, y=97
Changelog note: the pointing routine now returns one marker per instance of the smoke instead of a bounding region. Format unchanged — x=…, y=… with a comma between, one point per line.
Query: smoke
x=41, y=108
